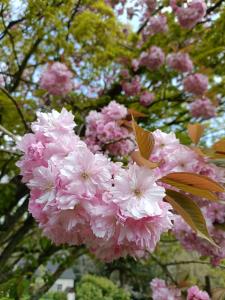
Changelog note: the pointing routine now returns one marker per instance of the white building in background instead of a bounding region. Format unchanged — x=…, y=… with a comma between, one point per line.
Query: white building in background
x=65, y=283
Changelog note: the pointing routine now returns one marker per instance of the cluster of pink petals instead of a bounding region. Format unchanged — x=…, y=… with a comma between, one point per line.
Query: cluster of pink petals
x=146, y=98
x=161, y=291
x=195, y=294
x=196, y=84
x=133, y=87
x=157, y=24
x=104, y=133
x=180, y=62
x=189, y=16
x=56, y=79
x=175, y=157
x=202, y=108
x=153, y=59
x=78, y=197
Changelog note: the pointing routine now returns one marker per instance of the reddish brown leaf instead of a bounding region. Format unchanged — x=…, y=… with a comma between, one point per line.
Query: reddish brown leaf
x=144, y=139
x=195, y=132
x=141, y=161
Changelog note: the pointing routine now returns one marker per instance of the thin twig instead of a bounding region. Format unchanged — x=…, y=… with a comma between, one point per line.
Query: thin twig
x=7, y=132
x=17, y=108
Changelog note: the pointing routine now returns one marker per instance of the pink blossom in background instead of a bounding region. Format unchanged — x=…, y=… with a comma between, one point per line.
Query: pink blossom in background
x=195, y=294
x=103, y=132
x=189, y=16
x=133, y=87
x=146, y=98
x=196, y=84
x=180, y=62
x=160, y=291
x=157, y=24
x=56, y=79
x=202, y=108
x=153, y=59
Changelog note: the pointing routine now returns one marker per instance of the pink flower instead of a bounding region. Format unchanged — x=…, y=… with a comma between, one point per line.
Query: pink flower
x=86, y=173
x=161, y=291
x=45, y=180
x=196, y=84
x=153, y=59
x=202, y=108
x=180, y=62
x=146, y=98
x=114, y=111
x=136, y=193
x=195, y=294
x=189, y=16
x=54, y=123
x=132, y=88
x=157, y=24
x=56, y=79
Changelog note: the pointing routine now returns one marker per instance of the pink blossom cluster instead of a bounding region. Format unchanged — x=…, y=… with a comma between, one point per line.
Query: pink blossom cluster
x=152, y=59
x=194, y=293
x=78, y=197
x=146, y=98
x=202, y=108
x=103, y=131
x=156, y=24
x=189, y=16
x=57, y=79
x=175, y=157
x=196, y=84
x=180, y=62
x=161, y=291
x=132, y=87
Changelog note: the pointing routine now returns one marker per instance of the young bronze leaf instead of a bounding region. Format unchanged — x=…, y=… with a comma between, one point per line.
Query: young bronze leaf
x=219, y=146
x=136, y=114
x=141, y=161
x=195, y=132
x=190, y=212
x=145, y=140
x=192, y=190
x=194, y=180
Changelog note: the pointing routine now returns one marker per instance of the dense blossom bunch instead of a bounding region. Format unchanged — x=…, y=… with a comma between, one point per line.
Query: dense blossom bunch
x=78, y=197
x=153, y=59
x=157, y=24
x=146, y=98
x=180, y=62
x=103, y=131
x=161, y=291
x=189, y=16
x=196, y=84
x=56, y=79
x=195, y=294
x=133, y=87
x=175, y=157
x=202, y=108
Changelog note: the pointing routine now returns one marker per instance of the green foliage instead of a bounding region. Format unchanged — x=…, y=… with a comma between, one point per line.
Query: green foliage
x=99, y=288
x=54, y=296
